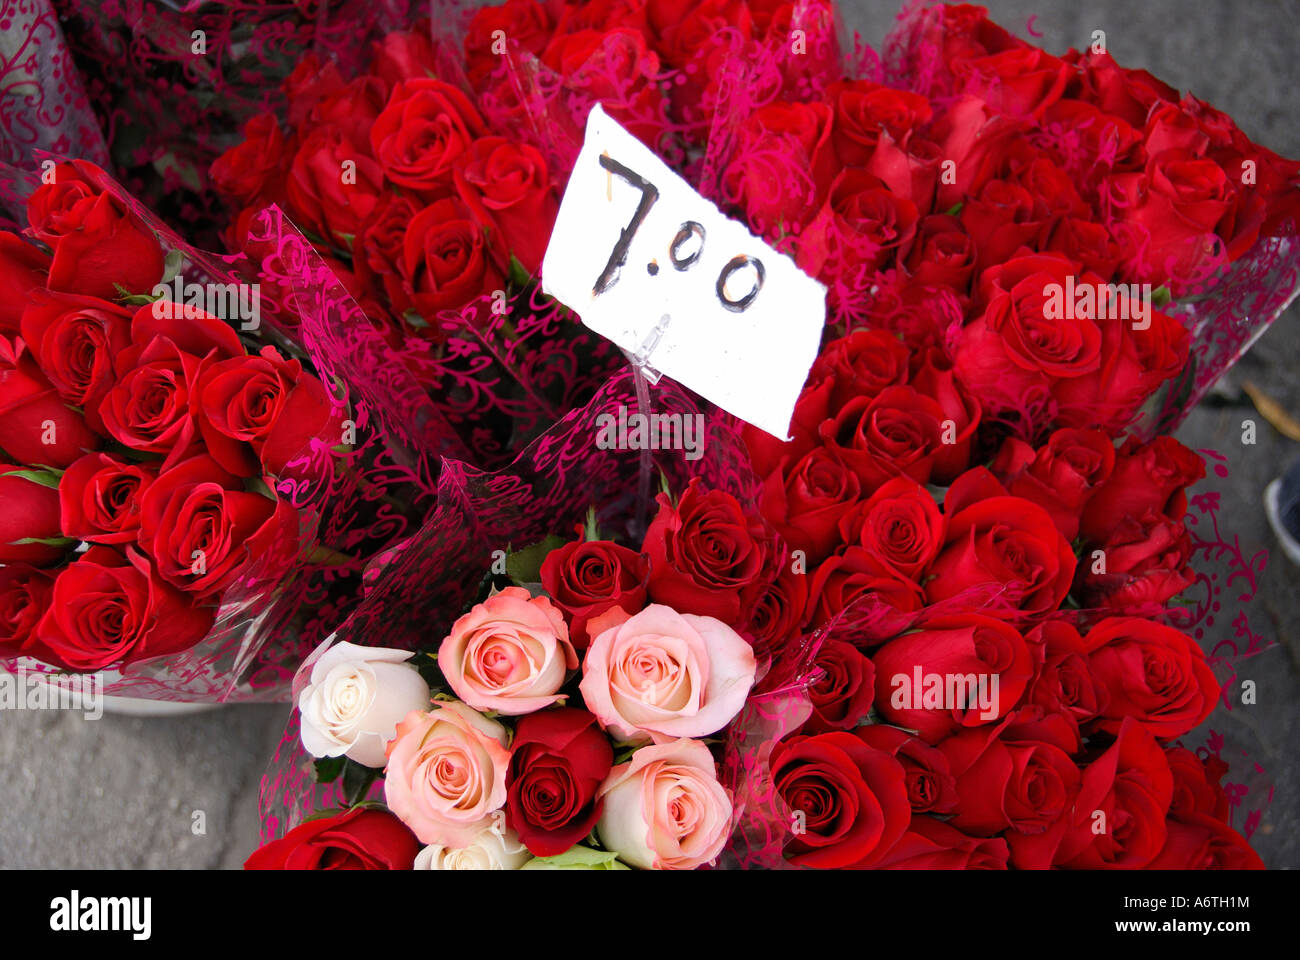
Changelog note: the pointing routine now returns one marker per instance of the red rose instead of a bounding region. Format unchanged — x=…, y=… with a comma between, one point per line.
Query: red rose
x=378, y=249
x=615, y=67
x=1146, y=561
x=1059, y=476
x=36, y=425
x=777, y=612
x=98, y=244
x=1134, y=363
x=842, y=695
x=403, y=54
x=23, y=268
x=941, y=254
x=1004, y=783
x=1118, y=820
x=31, y=512
x=898, y=432
x=782, y=166
x=1005, y=546
x=267, y=402
x=24, y=598
x=847, y=799
x=1154, y=675
x=1021, y=81
x=425, y=128
x=508, y=187
x=931, y=844
x=1001, y=219
x=203, y=530
x=934, y=377
x=587, y=578
x=931, y=787
x=446, y=259
x=1196, y=784
x=877, y=598
x=362, y=838
x=1087, y=243
x=687, y=29
x=1063, y=684
x=1120, y=92
x=317, y=190
x=707, y=557
x=859, y=227
x=1147, y=477
x=900, y=525
x=861, y=364
x=99, y=498
x=863, y=109
x=558, y=759
x=1200, y=842
x=524, y=22
x=254, y=167
x=805, y=501
x=152, y=406
x=917, y=675
x=76, y=340
x=107, y=609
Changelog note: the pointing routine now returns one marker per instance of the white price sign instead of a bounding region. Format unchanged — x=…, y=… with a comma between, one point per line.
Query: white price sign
x=650, y=264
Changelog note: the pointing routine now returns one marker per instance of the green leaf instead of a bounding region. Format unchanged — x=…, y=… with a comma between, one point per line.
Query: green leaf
x=518, y=277
x=46, y=478
x=172, y=266
x=955, y=209
x=329, y=768
x=524, y=566
x=1160, y=296
x=45, y=541
x=591, y=532
x=356, y=781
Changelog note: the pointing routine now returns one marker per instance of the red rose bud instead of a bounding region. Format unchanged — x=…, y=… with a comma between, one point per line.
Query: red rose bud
x=422, y=132
x=77, y=340
x=1146, y=561
x=99, y=498
x=587, y=578
x=36, y=425
x=931, y=787
x=508, y=187
x=1147, y=477
x=317, y=192
x=523, y=22
x=362, y=838
x=842, y=696
x=1196, y=784
x=98, y=244
x=899, y=525
x=23, y=268
x=255, y=166
x=1004, y=548
x=107, y=609
x=558, y=760
x=707, y=557
x=446, y=259
x=1004, y=783
x=777, y=613
x=878, y=599
x=1059, y=476
x=268, y=403
x=1153, y=674
x=847, y=800
x=31, y=513
x=958, y=671
x=203, y=530
x=861, y=364
x=1198, y=842
x=24, y=598
x=150, y=408
x=806, y=499
x=897, y=432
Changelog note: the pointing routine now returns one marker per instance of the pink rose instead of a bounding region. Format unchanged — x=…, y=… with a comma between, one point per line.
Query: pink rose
x=665, y=810
x=510, y=654
x=446, y=773
x=661, y=675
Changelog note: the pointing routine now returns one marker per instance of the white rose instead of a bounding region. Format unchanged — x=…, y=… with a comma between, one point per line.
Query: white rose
x=492, y=849
x=355, y=697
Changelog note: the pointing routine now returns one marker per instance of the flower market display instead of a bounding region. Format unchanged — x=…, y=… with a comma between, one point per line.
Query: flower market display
x=790, y=485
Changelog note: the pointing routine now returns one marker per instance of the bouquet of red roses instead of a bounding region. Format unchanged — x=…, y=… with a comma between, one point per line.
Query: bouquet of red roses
x=183, y=493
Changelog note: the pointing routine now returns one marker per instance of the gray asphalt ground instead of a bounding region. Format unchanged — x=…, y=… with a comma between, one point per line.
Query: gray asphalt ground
x=123, y=791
